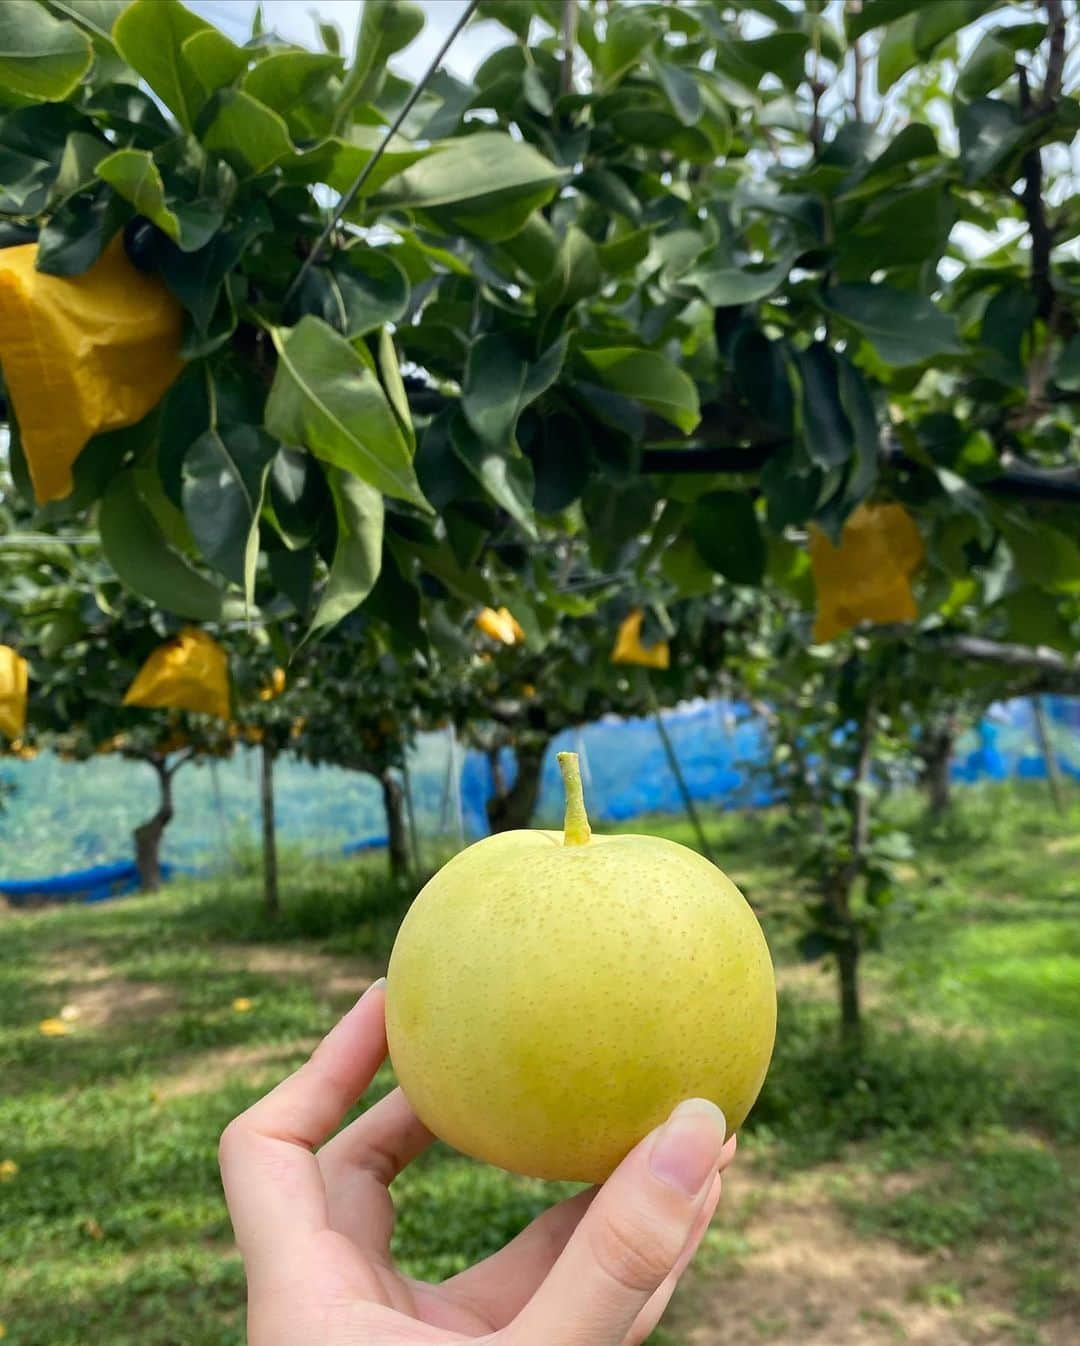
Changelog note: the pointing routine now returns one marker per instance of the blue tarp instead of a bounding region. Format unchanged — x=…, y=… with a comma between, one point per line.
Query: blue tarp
x=366, y=844
x=75, y=813
x=86, y=885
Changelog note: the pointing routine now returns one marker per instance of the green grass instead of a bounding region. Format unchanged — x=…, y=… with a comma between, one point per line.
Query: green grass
x=114, y=1228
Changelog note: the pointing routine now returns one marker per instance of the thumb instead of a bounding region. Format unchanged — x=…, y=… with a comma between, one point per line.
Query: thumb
x=631, y=1238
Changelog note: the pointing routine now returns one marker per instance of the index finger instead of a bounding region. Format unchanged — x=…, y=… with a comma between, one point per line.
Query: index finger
x=273, y=1184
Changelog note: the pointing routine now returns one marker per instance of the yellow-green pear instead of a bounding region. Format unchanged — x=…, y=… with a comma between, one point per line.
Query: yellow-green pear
x=551, y=996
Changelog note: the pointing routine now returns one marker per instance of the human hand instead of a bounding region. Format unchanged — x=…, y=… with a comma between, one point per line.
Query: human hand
x=314, y=1224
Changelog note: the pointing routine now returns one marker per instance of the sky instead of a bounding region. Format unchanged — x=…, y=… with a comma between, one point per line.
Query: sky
x=292, y=19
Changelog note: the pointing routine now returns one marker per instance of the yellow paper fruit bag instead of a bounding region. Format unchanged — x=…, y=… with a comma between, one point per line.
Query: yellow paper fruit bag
x=500, y=625
x=13, y=680
x=868, y=577
x=189, y=672
x=629, y=649
x=82, y=354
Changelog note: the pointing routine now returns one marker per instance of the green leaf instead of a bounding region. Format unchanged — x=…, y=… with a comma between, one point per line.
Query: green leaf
x=150, y=35
x=724, y=528
x=990, y=132
x=443, y=475
x=791, y=496
x=1044, y=555
x=1067, y=369
x=649, y=378
x=196, y=278
x=487, y=182
x=1006, y=320
x=499, y=384
x=298, y=497
x=328, y=398
x=215, y=60
x=81, y=156
x=439, y=560
x=682, y=564
x=874, y=13
x=96, y=17
x=386, y=26
x=339, y=163
x=990, y=64
x=680, y=89
x=561, y=457
x=32, y=144
x=136, y=548
x=506, y=477
x=629, y=32
x=41, y=57
x=358, y=509
x=936, y=22
x=899, y=229
x=224, y=480
x=394, y=386
x=1035, y=618
x=516, y=15
x=859, y=408
x=898, y=53
x=575, y=274
x=827, y=431
x=605, y=186
x=288, y=82
x=624, y=252
x=533, y=248
x=79, y=231
x=903, y=328
x=779, y=54
x=134, y=175
x=358, y=291
x=727, y=286
x=247, y=134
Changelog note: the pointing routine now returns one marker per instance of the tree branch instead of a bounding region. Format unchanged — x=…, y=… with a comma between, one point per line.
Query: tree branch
x=859, y=68
x=1042, y=240
x=569, y=43
x=1052, y=670
x=1055, y=60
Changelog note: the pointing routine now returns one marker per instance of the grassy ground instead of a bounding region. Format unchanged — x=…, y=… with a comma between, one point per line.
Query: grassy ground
x=928, y=1191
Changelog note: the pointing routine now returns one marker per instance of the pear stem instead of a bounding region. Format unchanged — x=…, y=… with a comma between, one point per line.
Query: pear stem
x=576, y=829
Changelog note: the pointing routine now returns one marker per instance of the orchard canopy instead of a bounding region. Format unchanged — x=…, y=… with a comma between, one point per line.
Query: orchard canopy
x=671, y=305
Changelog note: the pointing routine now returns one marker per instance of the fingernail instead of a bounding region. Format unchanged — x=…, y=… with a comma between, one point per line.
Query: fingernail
x=375, y=986
x=686, y=1152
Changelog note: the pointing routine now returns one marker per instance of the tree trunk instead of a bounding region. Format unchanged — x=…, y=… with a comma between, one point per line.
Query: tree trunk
x=269, y=831
x=847, y=967
x=937, y=760
x=1046, y=747
x=396, y=826
x=845, y=930
x=148, y=834
x=512, y=808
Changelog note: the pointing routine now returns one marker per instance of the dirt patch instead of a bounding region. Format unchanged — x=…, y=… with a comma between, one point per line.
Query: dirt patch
x=341, y=978
x=214, y=1069
x=803, y=1277
x=97, y=1004
x=67, y=968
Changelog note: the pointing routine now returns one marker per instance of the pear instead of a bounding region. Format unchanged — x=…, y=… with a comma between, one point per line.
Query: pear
x=551, y=996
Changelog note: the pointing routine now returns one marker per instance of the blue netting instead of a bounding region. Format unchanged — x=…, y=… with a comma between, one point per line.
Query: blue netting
x=69, y=817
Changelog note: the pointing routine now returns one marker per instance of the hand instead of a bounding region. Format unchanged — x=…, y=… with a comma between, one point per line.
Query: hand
x=314, y=1224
